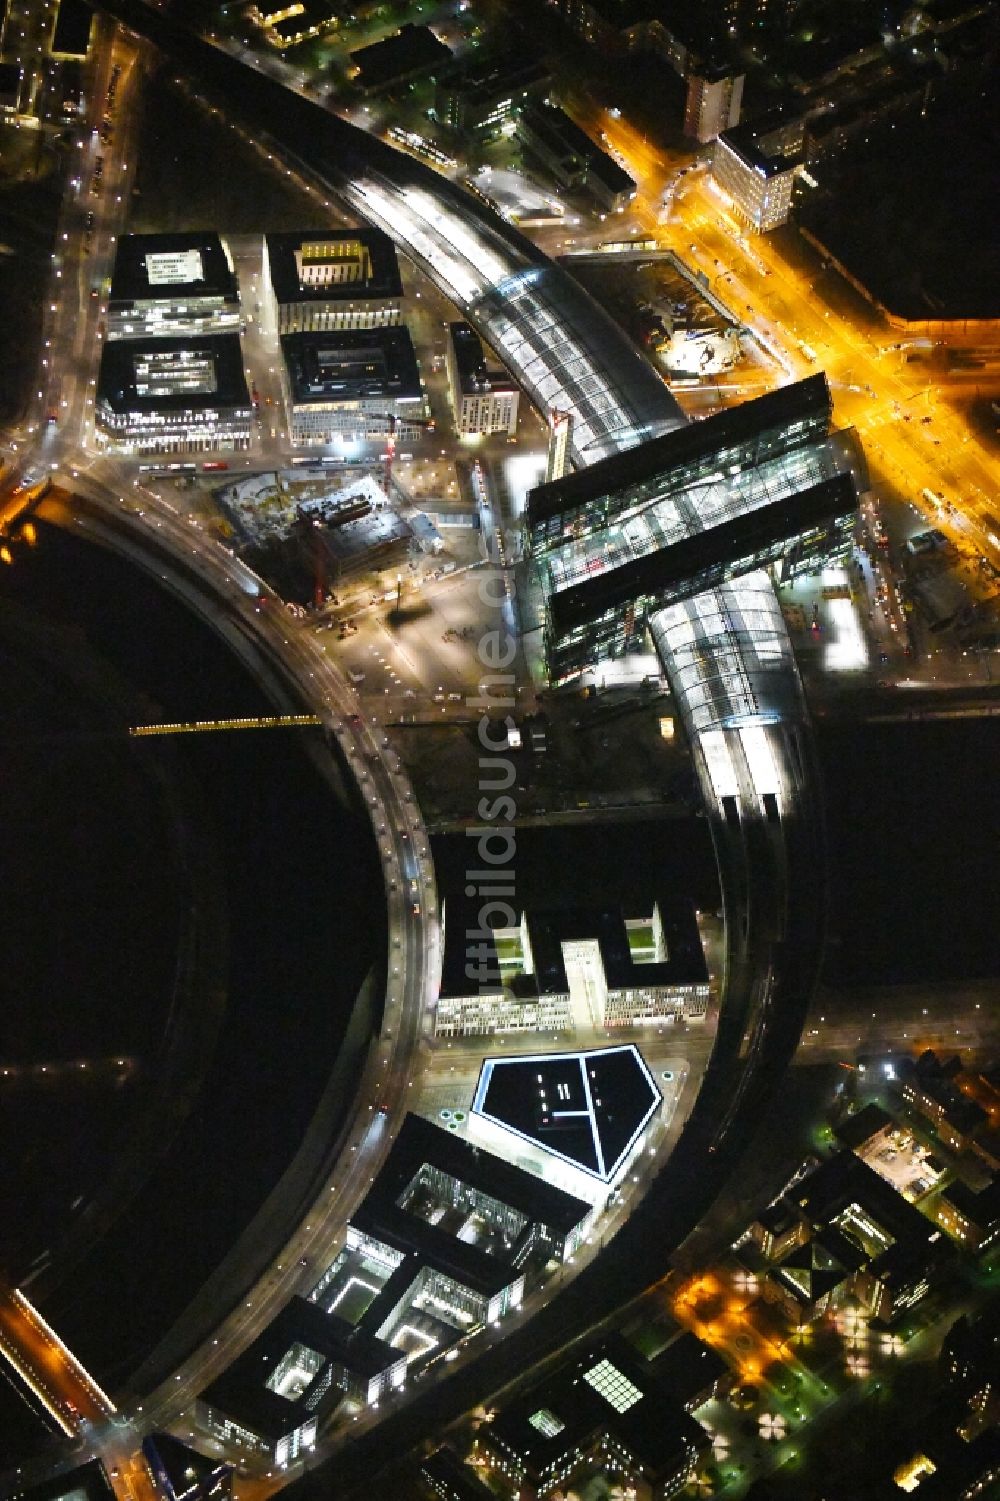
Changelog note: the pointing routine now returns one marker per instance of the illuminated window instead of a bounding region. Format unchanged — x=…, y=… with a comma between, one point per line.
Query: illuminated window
x=609, y=1383
x=546, y=1422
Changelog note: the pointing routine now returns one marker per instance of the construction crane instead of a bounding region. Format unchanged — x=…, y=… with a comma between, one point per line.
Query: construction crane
x=391, y=420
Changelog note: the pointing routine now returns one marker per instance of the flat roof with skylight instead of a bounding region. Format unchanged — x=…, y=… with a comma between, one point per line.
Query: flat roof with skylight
x=588, y=1109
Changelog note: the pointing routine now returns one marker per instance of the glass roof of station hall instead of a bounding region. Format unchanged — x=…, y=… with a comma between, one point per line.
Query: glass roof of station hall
x=685, y=506
x=569, y=355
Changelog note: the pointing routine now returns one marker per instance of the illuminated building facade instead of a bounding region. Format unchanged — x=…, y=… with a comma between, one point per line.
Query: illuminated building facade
x=573, y=970
x=607, y=1411
x=616, y=544
x=171, y=284
x=484, y=400
x=482, y=95
x=173, y=395
x=350, y=383
x=757, y=169
x=332, y=279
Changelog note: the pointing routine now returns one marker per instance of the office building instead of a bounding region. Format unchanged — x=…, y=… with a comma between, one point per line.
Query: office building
x=447, y=1478
x=409, y=53
x=445, y=1243
x=583, y=1116
x=88, y=1482
x=482, y=95
x=484, y=400
x=572, y=158
x=604, y=1412
x=173, y=395
x=350, y=384
x=762, y=484
x=273, y=1397
x=171, y=284
x=756, y=167
x=848, y=1234
x=713, y=102
x=182, y=1474
x=692, y=1372
x=572, y=969
x=332, y=279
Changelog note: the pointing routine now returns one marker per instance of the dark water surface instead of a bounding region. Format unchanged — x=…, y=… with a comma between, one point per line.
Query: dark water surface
x=122, y=851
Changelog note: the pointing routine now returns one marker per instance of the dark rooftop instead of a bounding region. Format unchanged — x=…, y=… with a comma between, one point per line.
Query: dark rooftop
x=493, y=73
x=685, y=964
x=382, y=279
x=408, y=52
x=858, y=1129
x=71, y=33
x=844, y=1179
x=688, y=1367
x=89, y=1481
x=420, y=1143
x=608, y=1390
x=124, y=387
x=474, y=376
x=586, y=1107
x=448, y=1476
x=352, y=364
x=560, y=134
x=171, y=266
x=242, y=1393
x=182, y=1473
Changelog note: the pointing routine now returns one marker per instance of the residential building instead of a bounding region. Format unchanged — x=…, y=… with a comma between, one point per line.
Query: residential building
x=714, y=99
x=778, y=1229
x=444, y=1243
x=857, y=1237
x=484, y=400
x=970, y=1365
x=332, y=279
x=11, y=80
x=813, y=1275
x=292, y=22
x=756, y=166
x=350, y=384
x=169, y=284
x=606, y=1411
x=185, y=395
x=929, y=1087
